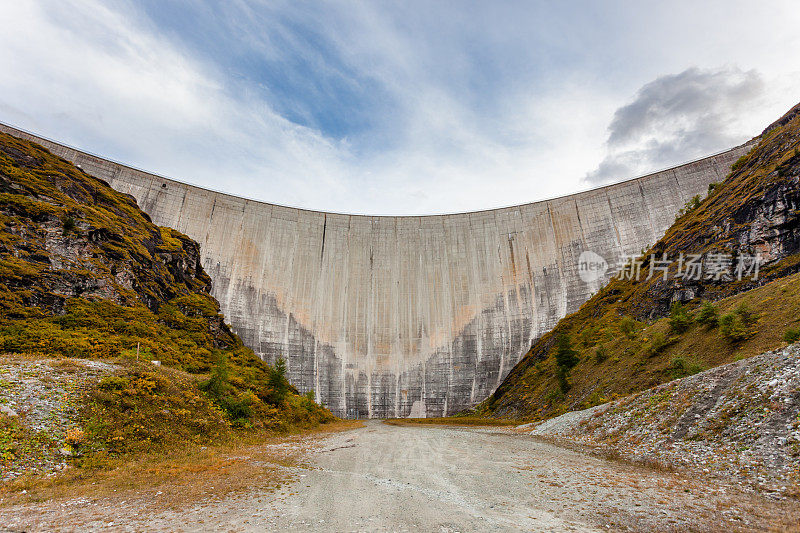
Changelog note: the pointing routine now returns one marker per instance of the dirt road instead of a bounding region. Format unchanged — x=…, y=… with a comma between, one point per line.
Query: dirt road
x=388, y=478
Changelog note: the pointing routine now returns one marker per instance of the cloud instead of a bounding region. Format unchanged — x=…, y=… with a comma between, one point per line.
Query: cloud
x=676, y=118
x=96, y=75
x=106, y=76
x=396, y=108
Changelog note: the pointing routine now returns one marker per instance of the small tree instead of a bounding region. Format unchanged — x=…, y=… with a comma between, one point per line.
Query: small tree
x=68, y=225
x=733, y=327
x=693, y=203
x=680, y=367
x=628, y=327
x=566, y=359
x=278, y=383
x=566, y=356
x=217, y=385
x=738, y=325
x=600, y=353
x=238, y=406
x=708, y=314
x=679, y=318
x=658, y=341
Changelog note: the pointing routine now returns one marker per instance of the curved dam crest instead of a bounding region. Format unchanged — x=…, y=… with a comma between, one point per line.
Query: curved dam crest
x=395, y=316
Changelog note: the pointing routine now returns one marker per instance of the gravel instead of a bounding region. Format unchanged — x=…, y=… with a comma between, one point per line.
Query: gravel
x=739, y=422
x=439, y=479
x=43, y=395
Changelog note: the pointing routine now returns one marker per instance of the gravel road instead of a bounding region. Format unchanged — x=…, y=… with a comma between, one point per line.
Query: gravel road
x=444, y=479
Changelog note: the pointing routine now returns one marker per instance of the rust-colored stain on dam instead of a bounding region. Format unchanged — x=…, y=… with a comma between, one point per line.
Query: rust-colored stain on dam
x=385, y=316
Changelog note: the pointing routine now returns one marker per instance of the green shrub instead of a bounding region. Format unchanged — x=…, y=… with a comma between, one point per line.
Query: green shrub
x=749, y=316
x=600, y=353
x=236, y=405
x=733, y=327
x=708, y=314
x=145, y=407
x=595, y=399
x=658, y=341
x=792, y=335
x=679, y=318
x=738, y=325
x=68, y=225
x=739, y=162
x=693, y=203
x=680, y=367
x=195, y=305
x=566, y=356
x=589, y=336
x=628, y=327
x=278, y=384
x=566, y=359
x=111, y=383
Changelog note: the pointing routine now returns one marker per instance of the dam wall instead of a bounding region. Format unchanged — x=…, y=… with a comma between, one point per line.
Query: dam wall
x=395, y=316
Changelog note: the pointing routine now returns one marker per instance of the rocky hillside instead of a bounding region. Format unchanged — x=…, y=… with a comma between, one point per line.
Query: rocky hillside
x=71, y=245
x=615, y=343
x=739, y=421
x=86, y=276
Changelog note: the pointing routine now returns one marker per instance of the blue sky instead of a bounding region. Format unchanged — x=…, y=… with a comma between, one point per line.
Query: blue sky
x=398, y=107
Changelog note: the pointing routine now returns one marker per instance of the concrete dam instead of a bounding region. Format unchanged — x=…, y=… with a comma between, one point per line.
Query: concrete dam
x=396, y=316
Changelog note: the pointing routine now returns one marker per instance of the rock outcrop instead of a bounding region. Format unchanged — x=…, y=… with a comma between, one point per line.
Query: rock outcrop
x=68, y=235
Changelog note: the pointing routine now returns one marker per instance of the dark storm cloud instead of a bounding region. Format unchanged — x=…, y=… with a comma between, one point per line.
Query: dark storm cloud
x=676, y=118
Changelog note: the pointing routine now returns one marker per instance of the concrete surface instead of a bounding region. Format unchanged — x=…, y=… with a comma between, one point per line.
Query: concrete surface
x=399, y=316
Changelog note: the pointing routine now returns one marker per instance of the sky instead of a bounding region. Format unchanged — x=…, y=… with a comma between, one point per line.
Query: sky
x=403, y=107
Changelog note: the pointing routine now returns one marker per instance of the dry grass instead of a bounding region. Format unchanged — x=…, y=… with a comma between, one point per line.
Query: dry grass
x=67, y=365
x=451, y=421
x=184, y=475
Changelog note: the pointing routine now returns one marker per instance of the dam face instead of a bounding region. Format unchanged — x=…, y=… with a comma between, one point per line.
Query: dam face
x=385, y=316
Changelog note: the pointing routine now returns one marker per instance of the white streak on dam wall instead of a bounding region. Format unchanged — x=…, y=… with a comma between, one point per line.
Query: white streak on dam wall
x=388, y=316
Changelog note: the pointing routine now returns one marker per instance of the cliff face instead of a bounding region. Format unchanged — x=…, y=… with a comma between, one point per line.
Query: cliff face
x=754, y=211
x=66, y=235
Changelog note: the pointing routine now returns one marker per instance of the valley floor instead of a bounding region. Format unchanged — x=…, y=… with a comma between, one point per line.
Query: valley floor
x=442, y=479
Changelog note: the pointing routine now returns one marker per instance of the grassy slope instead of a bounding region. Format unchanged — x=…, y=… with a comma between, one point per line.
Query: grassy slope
x=761, y=184
x=84, y=273
x=630, y=366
